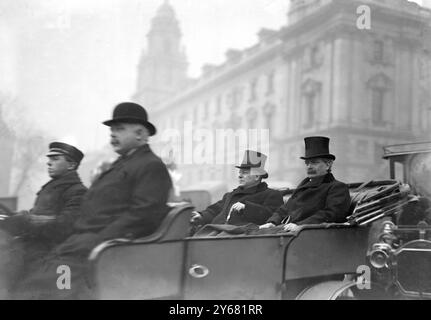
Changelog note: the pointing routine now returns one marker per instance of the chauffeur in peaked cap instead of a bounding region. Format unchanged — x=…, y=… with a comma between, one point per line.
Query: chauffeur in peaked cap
x=61, y=196
x=64, y=149
x=53, y=215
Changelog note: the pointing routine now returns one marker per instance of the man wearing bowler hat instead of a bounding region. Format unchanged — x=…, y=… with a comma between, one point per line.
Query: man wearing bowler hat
x=56, y=209
x=251, y=202
x=319, y=198
x=129, y=200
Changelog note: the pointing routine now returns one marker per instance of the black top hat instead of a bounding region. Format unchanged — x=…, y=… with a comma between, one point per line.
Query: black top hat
x=255, y=161
x=129, y=112
x=317, y=147
x=64, y=149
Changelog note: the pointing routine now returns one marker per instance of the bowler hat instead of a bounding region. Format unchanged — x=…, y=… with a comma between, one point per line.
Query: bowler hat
x=255, y=161
x=129, y=112
x=317, y=147
x=64, y=149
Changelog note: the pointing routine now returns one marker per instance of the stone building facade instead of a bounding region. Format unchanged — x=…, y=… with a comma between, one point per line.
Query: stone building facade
x=318, y=75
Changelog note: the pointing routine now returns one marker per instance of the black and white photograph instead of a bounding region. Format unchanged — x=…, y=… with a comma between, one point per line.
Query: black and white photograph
x=232, y=152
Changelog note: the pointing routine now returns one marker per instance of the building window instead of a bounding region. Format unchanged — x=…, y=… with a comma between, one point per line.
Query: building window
x=270, y=88
x=378, y=51
x=311, y=93
x=218, y=105
x=314, y=56
x=206, y=111
x=251, y=123
x=380, y=88
x=268, y=121
x=378, y=103
x=230, y=100
x=253, y=90
x=424, y=67
x=251, y=118
x=268, y=112
x=234, y=98
x=310, y=101
x=195, y=115
x=201, y=175
x=182, y=120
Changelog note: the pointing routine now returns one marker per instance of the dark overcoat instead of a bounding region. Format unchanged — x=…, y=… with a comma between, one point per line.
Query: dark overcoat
x=320, y=200
x=260, y=202
x=60, y=198
x=128, y=200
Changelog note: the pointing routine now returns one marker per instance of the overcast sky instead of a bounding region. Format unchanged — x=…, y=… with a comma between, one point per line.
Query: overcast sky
x=66, y=63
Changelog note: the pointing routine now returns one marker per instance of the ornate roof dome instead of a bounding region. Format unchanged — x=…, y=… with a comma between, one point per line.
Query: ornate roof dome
x=165, y=20
x=166, y=11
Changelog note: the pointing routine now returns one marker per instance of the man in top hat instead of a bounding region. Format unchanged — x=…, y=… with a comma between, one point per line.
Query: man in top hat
x=55, y=211
x=129, y=200
x=319, y=198
x=251, y=202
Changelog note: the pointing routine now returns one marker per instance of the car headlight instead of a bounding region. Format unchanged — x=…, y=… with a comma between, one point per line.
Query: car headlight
x=388, y=227
x=379, y=256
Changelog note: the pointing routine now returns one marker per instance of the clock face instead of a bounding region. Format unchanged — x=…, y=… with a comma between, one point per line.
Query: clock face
x=420, y=170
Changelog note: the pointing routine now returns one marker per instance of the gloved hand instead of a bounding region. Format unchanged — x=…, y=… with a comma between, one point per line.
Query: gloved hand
x=196, y=218
x=267, y=226
x=291, y=227
x=238, y=207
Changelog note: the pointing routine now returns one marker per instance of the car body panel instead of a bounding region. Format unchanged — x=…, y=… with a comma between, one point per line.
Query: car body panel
x=321, y=252
x=245, y=267
x=140, y=272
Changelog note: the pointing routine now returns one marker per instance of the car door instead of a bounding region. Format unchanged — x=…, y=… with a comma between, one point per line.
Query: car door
x=235, y=268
